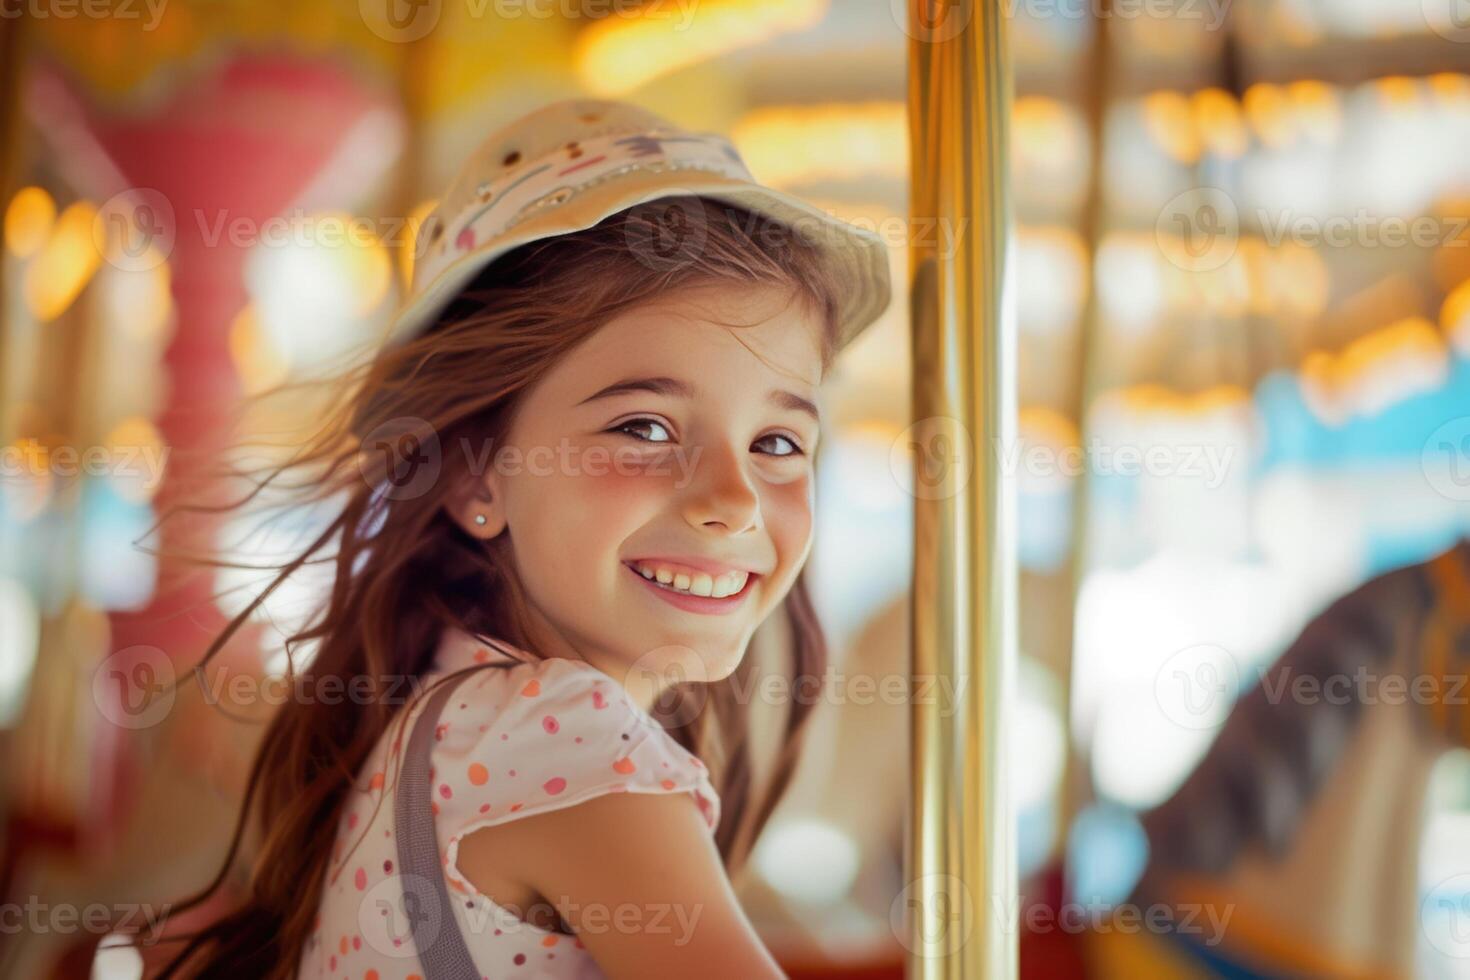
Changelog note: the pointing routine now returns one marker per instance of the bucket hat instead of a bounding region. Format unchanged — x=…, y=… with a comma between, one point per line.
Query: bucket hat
x=568, y=165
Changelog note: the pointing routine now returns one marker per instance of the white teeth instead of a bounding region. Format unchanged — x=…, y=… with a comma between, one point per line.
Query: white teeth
x=696, y=583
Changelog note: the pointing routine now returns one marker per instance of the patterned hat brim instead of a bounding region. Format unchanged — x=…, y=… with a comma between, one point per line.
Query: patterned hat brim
x=858, y=258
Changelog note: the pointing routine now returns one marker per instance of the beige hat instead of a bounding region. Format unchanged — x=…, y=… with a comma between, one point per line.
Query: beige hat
x=570, y=164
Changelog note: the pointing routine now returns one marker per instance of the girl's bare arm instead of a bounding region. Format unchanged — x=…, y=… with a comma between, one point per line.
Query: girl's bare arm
x=639, y=879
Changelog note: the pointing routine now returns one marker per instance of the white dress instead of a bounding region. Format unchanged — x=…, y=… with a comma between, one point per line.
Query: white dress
x=537, y=735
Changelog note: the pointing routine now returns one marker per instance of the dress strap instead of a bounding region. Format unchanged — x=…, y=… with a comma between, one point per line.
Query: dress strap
x=436, y=933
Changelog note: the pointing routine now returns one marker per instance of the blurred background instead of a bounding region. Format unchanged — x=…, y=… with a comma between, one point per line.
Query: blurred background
x=1242, y=271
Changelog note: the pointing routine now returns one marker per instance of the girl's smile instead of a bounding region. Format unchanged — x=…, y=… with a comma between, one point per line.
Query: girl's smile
x=699, y=593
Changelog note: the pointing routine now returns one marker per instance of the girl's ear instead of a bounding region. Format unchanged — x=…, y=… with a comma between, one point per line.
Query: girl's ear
x=480, y=510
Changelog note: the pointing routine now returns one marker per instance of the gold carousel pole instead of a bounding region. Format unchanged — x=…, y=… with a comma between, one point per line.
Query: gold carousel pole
x=961, y=903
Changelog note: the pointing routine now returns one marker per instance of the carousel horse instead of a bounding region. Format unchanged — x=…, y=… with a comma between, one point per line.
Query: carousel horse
x=1300, y=829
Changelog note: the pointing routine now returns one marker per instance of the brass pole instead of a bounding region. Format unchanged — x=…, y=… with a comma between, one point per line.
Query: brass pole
x=960, y=905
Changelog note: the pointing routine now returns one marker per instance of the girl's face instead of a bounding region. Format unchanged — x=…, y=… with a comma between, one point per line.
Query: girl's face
x=671, y=447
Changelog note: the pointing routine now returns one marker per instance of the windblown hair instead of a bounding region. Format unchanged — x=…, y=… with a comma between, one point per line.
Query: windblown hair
x=405, y=571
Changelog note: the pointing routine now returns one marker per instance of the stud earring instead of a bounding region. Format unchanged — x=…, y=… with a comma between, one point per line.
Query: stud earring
x=481, y=520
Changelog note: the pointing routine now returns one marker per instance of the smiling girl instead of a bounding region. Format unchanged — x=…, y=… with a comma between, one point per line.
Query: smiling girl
x=580, y=477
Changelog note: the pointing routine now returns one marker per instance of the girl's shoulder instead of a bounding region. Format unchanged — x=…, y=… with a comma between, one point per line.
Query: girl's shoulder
x=522, y=735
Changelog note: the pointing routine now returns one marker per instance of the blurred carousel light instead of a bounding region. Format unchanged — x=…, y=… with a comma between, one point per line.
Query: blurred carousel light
x=64, y=265
x=1182, y=460
x=1224, y=291
x=1164, y=647
x=260, y=542
x=1316, y=108
x=1403, y=149
x=256, y=359
x=1398, y=91
x=1107, y=851
x=864, y=536
x=1045, y=482
x=1170, y=124
x=1051, y=278
x=1130, y=280
x=1450, y=89
x=811, y=861
x=138, y=457
x=138, y=300
x=29, y=482
x=1452, y=256
x=118, y=574
x=615, y=55
x=788, y=145
x=1220, y=123
x=1454, y=318
x=1372, y=18
x=1040, y=745
x=1375, y=371
x=1292, y=280
x=1268, y=108
x=20, y=637
x=1050, y=151
x=28, y=221
x=319, y=294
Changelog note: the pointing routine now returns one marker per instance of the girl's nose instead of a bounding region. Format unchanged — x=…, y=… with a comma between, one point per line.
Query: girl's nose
x=721, y=493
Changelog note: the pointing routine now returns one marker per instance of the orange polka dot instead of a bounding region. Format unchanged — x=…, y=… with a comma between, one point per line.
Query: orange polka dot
x=377, y=781
x=668, y=784
x=481, y=655
x=478, y=774
x=624, y=766
x=532, y=688
x=343, y=946
x=516, y=806
x=548, y=941
x=370, y=975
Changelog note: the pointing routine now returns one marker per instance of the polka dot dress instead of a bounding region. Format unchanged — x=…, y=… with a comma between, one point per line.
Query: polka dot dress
x=526, y=738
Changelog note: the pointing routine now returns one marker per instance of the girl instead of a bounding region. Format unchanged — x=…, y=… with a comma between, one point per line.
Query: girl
x=578, y=478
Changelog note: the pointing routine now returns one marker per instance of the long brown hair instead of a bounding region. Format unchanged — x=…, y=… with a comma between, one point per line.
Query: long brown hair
x=404, y=570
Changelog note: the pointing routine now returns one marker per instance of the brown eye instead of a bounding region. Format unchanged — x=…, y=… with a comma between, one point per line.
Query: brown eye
x=643, y=423
x=795, y=450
